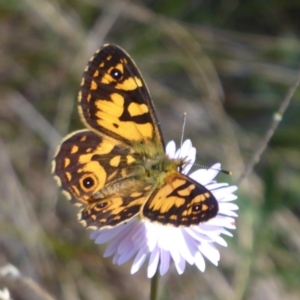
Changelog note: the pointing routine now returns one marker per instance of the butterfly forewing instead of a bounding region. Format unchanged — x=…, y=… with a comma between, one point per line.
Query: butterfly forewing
x=180, y=202
x=114, y=98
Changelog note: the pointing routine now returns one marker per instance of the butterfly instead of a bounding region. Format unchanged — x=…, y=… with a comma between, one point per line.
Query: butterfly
x=116, y=169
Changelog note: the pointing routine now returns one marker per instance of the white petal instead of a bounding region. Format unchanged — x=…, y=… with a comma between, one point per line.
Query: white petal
x=187, y=247
x=183, y=151
x=226, y=222
x=228, y=233
x=191, y=159
x=223, y=207
x=139, y=260
x=219, y=240
x=207, y=228
x=200, y=176
x=215, y=186
x=205, y=176
x=175, y=255
x=112, y=248
x=94, y=234
x=230, y=197
x=216, y=166
x=125, y=256
x=115, y=259
x=126, y=241
x=164, y=262
x=153, y=263
x=106, y=235
x=165, y=237
x=139, y=236
x=151, y=236
x=171, y=149
x=197, y=234
x=210, y=253
x=180, y=265
x=199, y=261
x=227, y=213
x=202, y=235
x=223, y=192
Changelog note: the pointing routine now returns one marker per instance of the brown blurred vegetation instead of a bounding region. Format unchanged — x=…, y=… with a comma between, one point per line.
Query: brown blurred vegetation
x=228, y=64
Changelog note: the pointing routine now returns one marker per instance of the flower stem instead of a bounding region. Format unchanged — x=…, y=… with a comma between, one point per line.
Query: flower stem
x=154, y=286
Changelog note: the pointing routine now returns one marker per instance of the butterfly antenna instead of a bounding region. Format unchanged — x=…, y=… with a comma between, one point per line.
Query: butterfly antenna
x=183, y=128
x=209, y=168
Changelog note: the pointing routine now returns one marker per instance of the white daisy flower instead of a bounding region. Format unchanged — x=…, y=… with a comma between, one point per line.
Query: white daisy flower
x=163, y=244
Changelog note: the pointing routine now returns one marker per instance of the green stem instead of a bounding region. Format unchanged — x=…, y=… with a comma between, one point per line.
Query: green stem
x=154, y=286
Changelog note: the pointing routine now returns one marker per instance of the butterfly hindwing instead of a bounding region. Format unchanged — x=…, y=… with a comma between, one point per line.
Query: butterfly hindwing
x=121, y=205
x=180, y=202
x=85, y=163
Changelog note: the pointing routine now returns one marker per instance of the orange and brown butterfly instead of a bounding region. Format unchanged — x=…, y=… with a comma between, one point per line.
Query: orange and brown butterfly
x=117, y=169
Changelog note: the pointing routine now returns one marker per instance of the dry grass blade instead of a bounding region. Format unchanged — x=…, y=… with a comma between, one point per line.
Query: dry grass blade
x=33, y=119
x=63, y=24
x=20, y=286
x=277, y=117
x=20, y=220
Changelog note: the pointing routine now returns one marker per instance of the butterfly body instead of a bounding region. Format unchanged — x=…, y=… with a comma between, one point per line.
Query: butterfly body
x=117, y=169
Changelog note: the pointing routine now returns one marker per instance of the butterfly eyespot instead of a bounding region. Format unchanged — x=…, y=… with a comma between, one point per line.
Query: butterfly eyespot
x=197, y=207
x=88, y=182
x=116, y=74
x=102, y=205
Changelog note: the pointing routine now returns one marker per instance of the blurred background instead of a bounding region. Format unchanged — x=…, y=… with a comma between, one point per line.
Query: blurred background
x=228, y=64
